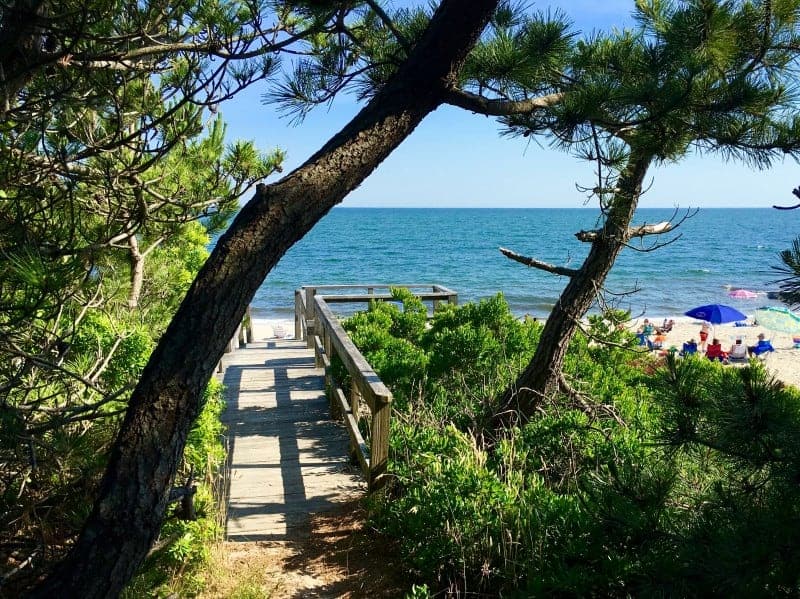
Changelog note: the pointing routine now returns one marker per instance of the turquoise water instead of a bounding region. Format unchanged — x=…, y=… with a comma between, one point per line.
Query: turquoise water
x=713, y=251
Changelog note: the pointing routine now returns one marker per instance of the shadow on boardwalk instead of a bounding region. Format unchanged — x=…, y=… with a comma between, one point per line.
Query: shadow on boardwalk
x=287, y=460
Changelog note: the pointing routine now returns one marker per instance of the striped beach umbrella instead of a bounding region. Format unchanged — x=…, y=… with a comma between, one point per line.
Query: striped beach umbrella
x=781, y=320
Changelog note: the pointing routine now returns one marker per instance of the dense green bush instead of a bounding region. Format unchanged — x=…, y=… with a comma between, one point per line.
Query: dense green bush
x=58, y=418
x=671, y=479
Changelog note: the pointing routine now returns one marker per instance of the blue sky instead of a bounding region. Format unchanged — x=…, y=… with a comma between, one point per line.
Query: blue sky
x=458, y=159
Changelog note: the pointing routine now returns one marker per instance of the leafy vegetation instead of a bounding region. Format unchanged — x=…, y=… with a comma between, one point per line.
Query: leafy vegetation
x=59, y=420
x=790, y=275
x=675, y=478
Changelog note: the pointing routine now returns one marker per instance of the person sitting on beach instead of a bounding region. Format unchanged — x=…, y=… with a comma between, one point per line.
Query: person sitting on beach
x=703, y=335
x=689, y=347
x=666, y=326
x=714, y=351
x=738, y=351
x=658, y=341
x=763, y=346
x=647, y=328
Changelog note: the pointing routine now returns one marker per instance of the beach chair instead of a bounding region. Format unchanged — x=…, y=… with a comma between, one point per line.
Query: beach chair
x=762, y=349
x=688, y=349
x=738, y=353
x=714, y=352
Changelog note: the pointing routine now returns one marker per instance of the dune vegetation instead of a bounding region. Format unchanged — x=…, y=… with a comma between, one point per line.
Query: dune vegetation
x=676, y=478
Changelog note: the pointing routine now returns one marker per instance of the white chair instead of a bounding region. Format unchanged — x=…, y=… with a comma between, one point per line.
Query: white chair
x=738, y=352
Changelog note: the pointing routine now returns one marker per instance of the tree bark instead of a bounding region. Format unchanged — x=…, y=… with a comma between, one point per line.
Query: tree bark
x=540, y=379
x=137, y=271
x=132, y=500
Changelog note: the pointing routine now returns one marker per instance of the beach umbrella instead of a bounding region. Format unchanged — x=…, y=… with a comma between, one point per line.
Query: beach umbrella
x=781, y=320
x=743, y=294
x=716, y=313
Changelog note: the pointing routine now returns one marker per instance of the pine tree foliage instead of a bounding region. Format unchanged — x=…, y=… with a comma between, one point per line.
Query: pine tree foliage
x=705, y=76
x=690, y=77
x=114, y=169
x=732, y=437
x=790, y=271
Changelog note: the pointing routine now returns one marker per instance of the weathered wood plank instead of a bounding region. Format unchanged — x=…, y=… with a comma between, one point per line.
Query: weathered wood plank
x=287, y=458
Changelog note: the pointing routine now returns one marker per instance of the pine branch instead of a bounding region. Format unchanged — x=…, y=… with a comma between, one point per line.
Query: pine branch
x=534, y=263
x=499, y=107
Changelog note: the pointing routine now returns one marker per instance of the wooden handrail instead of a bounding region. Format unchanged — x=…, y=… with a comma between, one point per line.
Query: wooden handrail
x=241, y=337
x=316, y=322
x=365, y=386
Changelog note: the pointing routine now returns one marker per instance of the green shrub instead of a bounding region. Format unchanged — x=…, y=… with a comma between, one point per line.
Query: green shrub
x=674, y=479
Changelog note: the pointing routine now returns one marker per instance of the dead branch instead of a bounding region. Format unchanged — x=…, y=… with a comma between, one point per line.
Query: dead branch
x=22, y=565
x=634, y=231
x=591, y=410
x=796, y=192
x=534, y=263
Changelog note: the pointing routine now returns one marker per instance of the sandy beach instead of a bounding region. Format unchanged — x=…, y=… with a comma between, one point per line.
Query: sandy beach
x=269, y=328
x=784, y=362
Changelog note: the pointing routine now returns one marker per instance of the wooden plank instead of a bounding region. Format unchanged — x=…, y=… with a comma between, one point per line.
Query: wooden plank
x=299, y=315
x=373, y=286
x=319, y=351
x=287, y=458
x=386, y=297
x=379, y=447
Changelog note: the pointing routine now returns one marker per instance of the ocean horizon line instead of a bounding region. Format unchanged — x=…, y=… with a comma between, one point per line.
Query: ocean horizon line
x=582, y=208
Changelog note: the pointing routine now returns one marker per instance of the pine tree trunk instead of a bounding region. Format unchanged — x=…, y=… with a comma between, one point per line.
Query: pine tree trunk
x=132, y=500
x=541, y=377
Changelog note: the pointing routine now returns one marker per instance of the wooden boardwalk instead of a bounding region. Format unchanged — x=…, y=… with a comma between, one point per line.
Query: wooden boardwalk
x=287, y=458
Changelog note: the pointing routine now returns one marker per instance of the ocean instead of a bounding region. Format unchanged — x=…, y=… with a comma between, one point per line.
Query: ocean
x=712, y=252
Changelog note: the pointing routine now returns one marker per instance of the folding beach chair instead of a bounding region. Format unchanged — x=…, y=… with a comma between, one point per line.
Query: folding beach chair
x=738, y=353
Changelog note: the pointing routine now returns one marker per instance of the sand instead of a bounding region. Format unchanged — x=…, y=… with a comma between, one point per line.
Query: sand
x=272, y=328
x=783, y=363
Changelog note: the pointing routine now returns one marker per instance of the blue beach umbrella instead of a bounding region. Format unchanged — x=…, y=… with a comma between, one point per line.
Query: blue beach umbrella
x=716, y=313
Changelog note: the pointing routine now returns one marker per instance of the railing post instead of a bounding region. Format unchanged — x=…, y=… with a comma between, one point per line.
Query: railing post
x=355, y=406
x=249, y=316
x=233, y=341
x=379, y=444
x=298, y=306
x=310, y=309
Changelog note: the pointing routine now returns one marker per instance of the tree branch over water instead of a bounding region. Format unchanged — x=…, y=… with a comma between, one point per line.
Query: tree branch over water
x=635, y=231
x=534, y=263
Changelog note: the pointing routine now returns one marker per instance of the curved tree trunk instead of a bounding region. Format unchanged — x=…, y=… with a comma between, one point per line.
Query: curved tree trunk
x=132, y=500
x=541, y=377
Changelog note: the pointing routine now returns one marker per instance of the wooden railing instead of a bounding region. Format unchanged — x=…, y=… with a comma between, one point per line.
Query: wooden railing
x=316, y=322
x=359, y=294
x=242, y=336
